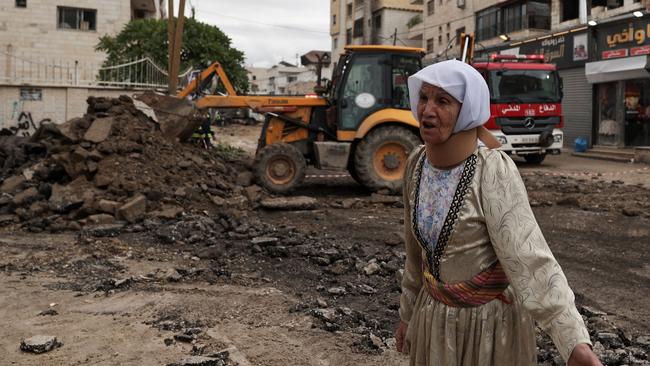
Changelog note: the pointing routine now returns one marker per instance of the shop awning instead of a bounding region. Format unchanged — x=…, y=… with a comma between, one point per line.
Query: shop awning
x=618, y=69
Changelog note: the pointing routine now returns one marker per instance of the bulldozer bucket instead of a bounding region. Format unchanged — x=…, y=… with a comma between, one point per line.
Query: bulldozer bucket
x=176, y=117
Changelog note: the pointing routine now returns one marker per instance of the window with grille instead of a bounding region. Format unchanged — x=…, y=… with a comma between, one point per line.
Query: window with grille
x=21, y=3
x=76, y=18
x=431, y=7
x=430, y=45
x=357, y=30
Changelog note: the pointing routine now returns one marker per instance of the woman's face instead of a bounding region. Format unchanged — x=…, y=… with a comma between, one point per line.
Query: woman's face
x=437, y=113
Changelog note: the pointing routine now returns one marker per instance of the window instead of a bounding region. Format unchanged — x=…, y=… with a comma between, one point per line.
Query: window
x=440, y=39
x=139, y=14
x=335, y=43
x=430, y=45
x=431, y=7
x=459, y=31
x=539, y=14
x=494, y=21
x=349, y=11
x=348, y=36
x=448, y=38
x=486, y=24
x=75, y=18
x=21, y=3
x=377, y=21
x=358, y=28
x=403, y=67
x=460, y=3
x=291, y=79
x=613, y=4
x=569, y=10
x=334, y=19
x=448, y=26
x=512, y=16
x=254, y=77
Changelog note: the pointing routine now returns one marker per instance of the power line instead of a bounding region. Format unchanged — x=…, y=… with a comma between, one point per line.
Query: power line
x=267, y=24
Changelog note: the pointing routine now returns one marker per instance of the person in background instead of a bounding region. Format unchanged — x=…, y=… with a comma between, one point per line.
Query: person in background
x=478, y=271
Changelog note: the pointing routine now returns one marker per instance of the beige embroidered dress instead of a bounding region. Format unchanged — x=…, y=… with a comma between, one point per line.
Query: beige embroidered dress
x=489, y=219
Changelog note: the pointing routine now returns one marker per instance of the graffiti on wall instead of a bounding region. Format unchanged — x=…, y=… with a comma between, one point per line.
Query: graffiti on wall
x=21, y=122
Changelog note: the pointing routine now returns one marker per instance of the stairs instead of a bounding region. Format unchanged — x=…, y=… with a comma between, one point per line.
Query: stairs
x=624, y=155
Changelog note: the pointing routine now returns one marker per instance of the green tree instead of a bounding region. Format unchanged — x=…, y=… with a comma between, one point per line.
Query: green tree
x=202, y=44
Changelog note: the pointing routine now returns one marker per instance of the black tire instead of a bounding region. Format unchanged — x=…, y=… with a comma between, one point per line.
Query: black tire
x=380, y=158
x=353, y=172
x=279, y=168
x=534, y=158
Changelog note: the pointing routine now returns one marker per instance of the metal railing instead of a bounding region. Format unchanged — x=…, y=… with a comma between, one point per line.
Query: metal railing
x=142, y=73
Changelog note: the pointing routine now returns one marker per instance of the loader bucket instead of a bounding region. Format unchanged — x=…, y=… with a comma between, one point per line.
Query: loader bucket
x=177, y=117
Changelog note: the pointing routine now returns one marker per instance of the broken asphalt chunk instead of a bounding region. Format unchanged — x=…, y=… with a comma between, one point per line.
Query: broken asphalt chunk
x=39, y=344
x=290, y=203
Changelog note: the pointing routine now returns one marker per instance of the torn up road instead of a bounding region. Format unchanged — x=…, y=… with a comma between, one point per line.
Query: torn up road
x=179, y=258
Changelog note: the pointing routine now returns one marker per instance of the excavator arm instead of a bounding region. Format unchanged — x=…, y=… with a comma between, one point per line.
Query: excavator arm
x=467, y=47
x=210, y=71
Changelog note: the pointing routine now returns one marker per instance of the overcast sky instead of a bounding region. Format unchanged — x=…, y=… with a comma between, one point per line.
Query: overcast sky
x=268, y=31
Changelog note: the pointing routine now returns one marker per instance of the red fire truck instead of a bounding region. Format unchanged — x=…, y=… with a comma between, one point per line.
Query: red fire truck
x=526, y=110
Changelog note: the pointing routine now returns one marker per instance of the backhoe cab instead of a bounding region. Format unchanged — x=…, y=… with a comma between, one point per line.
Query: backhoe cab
x=362, y=123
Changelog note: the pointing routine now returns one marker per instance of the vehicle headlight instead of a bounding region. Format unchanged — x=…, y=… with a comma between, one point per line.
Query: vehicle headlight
x=557, y=138
x=502, y=139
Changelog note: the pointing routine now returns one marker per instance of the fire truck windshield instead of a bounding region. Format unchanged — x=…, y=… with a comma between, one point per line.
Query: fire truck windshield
x=524, y=86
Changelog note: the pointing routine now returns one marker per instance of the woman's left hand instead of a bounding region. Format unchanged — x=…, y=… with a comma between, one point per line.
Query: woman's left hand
x=582, y=355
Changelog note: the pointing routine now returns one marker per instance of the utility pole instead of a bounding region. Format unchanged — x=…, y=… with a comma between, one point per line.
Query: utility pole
x=175, y=42
x=395, y=37
x=170, y=44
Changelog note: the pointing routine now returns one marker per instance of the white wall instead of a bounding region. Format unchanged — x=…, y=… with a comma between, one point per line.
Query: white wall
x=58, y=104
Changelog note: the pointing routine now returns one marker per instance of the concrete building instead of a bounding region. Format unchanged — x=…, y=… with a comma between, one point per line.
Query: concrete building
x=371, y=22
x=66, y=30
x=439, y=25
x=45, y=48
x=286, y=78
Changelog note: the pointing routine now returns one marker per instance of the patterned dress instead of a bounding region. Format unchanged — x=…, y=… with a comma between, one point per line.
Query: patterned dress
x=461, y=222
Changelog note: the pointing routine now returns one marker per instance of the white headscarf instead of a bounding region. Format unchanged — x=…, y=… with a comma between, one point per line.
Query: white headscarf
x=463, y=83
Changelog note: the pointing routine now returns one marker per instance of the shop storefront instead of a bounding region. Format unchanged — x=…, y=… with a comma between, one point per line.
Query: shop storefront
x=568, y=50
x=620, y=73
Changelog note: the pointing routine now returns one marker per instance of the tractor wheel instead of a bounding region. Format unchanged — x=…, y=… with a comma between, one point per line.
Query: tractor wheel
x=380, y=158
x=534, y=158
x=280, y=168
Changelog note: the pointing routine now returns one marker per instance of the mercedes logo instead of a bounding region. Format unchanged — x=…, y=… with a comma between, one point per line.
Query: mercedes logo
x=529, y=123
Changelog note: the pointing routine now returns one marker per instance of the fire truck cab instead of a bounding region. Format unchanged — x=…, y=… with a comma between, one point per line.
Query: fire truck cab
x=525, y=102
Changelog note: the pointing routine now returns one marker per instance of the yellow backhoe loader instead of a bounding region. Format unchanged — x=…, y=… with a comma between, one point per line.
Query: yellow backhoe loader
x=362, y=121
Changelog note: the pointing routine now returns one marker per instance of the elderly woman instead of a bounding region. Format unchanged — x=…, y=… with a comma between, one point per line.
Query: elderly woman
x=478, y=270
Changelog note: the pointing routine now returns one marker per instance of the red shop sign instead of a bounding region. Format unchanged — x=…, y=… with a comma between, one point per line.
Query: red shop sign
x=622, y=52
x=642, y=50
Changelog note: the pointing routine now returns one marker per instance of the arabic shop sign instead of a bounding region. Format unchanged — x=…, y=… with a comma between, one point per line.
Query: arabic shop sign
x=631, y=38
x=565, y=50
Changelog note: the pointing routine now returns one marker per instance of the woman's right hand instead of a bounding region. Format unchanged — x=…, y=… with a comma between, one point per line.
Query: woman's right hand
x=400, y=334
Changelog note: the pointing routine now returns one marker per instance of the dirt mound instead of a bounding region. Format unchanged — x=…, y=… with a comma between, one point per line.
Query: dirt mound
x=113, y=166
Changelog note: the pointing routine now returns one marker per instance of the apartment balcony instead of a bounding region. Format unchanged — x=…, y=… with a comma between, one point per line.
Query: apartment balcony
x=415, y=28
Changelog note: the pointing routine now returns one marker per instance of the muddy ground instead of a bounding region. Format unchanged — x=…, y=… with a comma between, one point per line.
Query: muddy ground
x=301, y=287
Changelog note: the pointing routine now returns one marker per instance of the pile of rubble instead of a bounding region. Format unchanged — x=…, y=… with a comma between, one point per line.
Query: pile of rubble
x=112, y=166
